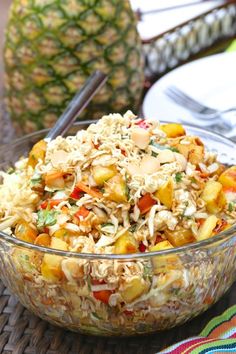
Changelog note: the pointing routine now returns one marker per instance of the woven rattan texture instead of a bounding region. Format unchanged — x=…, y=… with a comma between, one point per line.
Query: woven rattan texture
x=182, y=43
x=22, y=332
x=6, y=128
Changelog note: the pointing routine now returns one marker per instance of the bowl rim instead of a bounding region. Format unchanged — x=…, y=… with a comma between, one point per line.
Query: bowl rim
x=199, y=245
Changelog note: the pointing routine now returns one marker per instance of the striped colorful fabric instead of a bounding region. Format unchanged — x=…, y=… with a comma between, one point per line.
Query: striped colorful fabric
x=219, y=336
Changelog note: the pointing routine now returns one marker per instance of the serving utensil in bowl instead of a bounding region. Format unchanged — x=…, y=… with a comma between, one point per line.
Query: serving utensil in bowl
x=79, y=102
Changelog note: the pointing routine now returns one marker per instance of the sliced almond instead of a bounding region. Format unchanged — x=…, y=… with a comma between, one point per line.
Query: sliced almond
x=140, y=137
x=182, y=161
x=149, y=165
x=134, y=169
x=59, y=157
x=166, y=156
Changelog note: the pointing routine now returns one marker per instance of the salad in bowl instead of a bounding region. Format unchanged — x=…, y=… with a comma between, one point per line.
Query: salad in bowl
x=124, y=228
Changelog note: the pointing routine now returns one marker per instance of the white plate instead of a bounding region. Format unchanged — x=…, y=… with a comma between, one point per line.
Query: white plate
x=211, y=80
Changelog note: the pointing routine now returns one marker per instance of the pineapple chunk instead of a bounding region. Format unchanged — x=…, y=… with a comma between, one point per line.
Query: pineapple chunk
x=126, y=244
x=149, y=165
x=140, y=137
x=25, y=232
x=196, y=154
x=54, y=180
x=163, y=263
x=166, y=193
x=192, y=152
x=160, y=246
x=43, y=240
x=180, y=237
x=51, y=265
x=213, y=197
x=26, y=261
x=228, y=178
x=173, y=130
x=116, y=189
x=59, y=244
x=206, y=230
x=62, y=233
x=37, y=153
x=183, y=149
x=134, y=289
x=101, y=174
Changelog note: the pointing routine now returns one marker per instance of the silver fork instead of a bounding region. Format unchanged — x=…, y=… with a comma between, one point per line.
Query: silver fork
x=200, y=110
x=190, y=103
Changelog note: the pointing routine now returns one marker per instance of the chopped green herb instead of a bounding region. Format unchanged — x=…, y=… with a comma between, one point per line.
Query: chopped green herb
x=175, y=291
x=230, y=207
x=96, y=316
x=147, y=271
x=46, y=218
x=25, y=257
x=193, y=180
x=107, y=224
x=127, y=191
x=26, y=264
x=133, y=228
x=158, y=146
x=154, y=154
x=173, y=149
x=35, y=181
x=178, y=177
x=163, y=147
x=10, y=171
x=89, y=283
x=108, y=228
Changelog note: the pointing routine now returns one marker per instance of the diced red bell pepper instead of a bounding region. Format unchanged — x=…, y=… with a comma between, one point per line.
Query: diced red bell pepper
x=102, y=295
x=96, y=146
x=82, y=213
x=145, y=203
x=46, y=230
x=158, y=239
x=208, y=300
x=50, y=203
x=143, y=124
x=142, y=247
x=77, y=193
x=97, y=282
x=220, y=226
x=128, y=312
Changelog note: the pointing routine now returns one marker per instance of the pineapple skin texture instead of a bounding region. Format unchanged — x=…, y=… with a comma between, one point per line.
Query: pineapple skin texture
x=51, y=47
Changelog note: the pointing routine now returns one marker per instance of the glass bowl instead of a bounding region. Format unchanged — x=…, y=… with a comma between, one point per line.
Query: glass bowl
x=176, y=284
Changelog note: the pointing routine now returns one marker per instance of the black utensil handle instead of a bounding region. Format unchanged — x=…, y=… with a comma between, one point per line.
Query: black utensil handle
x=77, y=104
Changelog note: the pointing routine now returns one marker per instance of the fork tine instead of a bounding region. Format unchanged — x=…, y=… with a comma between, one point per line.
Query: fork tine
x=179, y=100
x=180, y=97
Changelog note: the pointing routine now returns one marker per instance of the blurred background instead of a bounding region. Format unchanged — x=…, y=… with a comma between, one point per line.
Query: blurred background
x=4, y=6
x=173, y=33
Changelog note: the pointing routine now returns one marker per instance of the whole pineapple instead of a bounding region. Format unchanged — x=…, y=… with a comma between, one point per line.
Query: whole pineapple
x=51, y=48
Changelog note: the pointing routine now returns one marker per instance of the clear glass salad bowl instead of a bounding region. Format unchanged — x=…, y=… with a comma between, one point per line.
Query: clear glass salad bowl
x=178, y=284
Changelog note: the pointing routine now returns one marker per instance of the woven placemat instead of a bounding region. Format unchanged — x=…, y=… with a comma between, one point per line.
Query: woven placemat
x=6, y=127
x=22, y=332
